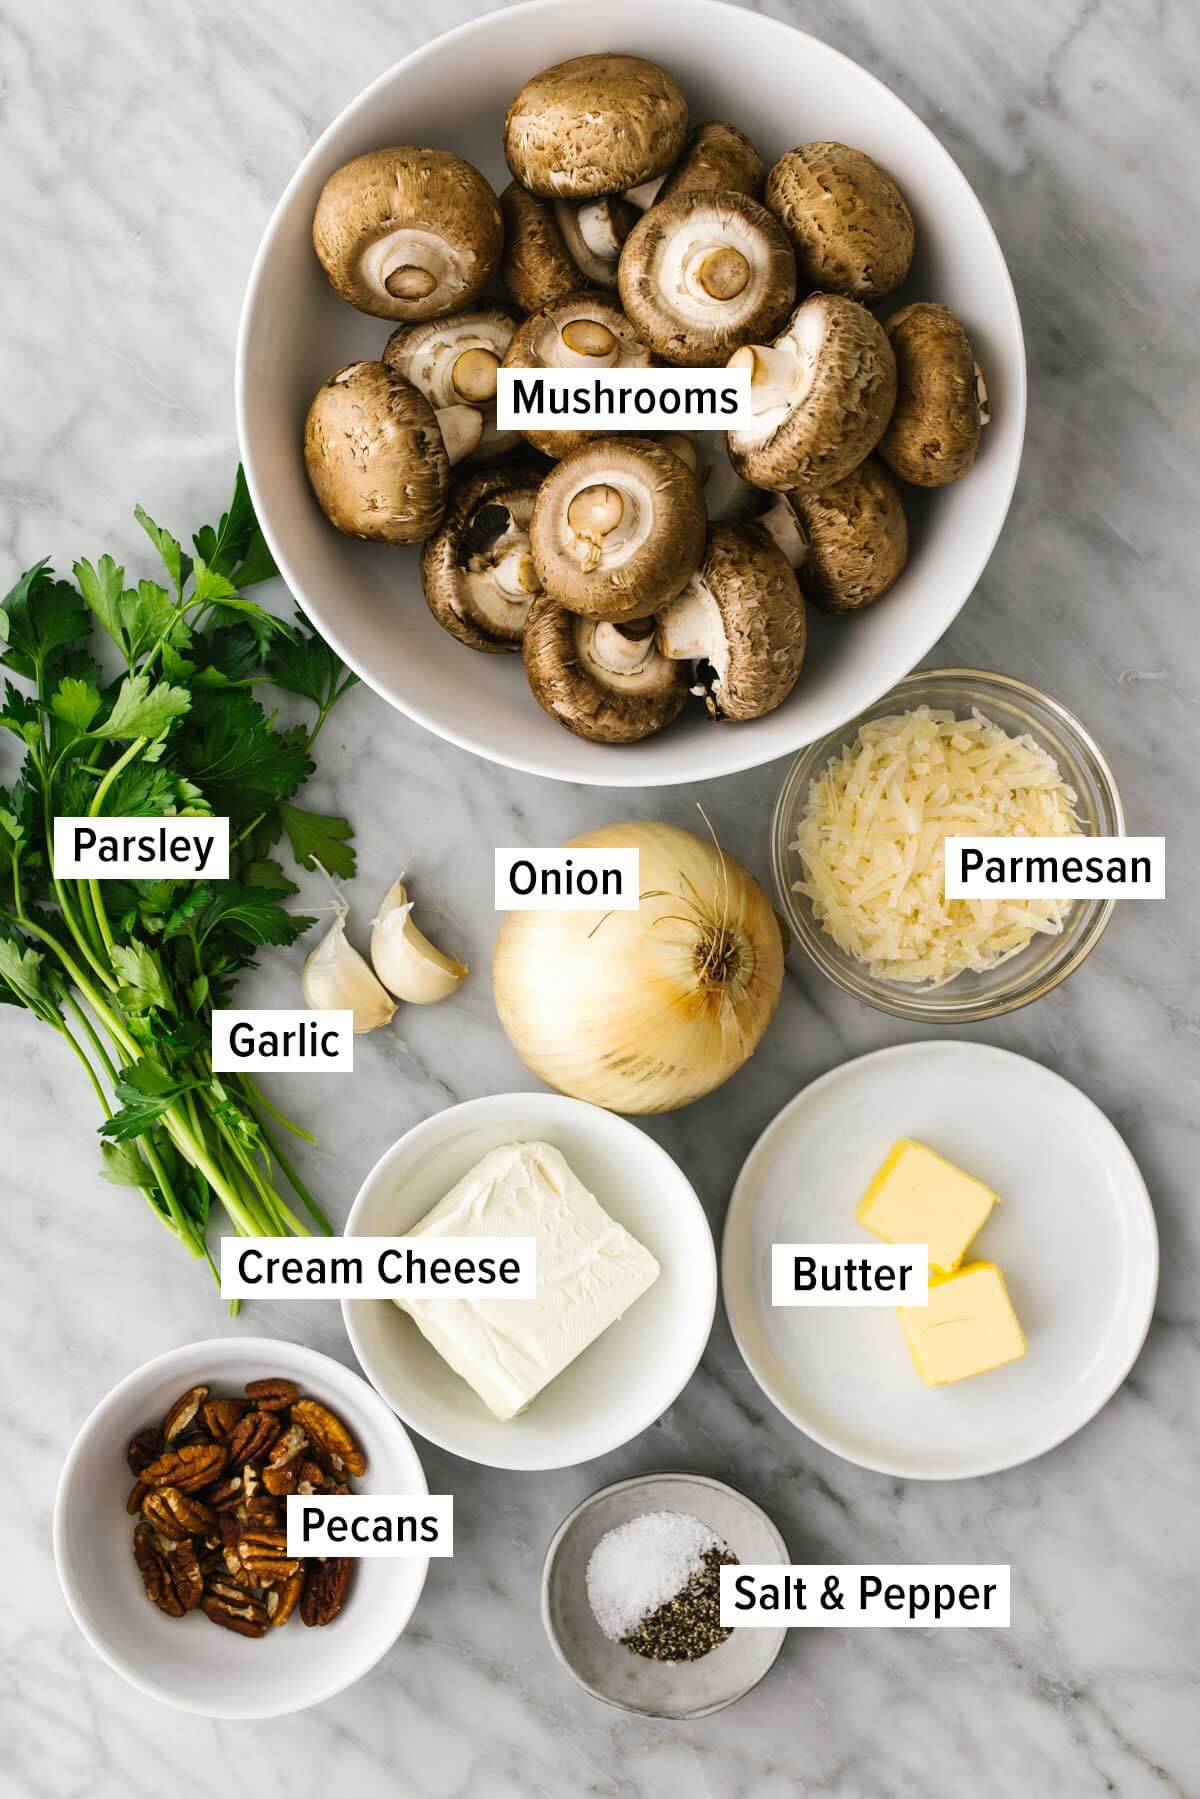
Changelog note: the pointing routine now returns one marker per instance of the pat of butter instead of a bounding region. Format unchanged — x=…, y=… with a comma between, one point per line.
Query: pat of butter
x=589, y=1271
x=919, y=1197
x=968, y=1327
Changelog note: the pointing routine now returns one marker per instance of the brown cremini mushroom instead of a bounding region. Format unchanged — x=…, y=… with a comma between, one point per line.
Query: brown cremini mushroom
x=618, y=528
x=378, y=455
x=601, y=680
x=846, y=218
x=822, y=395
x=716, y=158
x=595, y=124
x=703, y=273
x=740, y=623
x=556, y=248
x=585, y=331
x=850, y=539
x=408, y=233
x=477, y=572
x=454, y=362
x=933, y=436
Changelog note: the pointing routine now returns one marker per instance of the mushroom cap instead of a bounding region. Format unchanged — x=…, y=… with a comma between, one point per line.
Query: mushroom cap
x=566, y=681
x=656, y=543
x=662, y=275
x=716, y=158
x=426, y=211
x=487, y=515
x=537, y=267
x=594, y=125
x=375, y=456
x=835, y=412
x=427, y=354
x=933, y=436
x=846, y=218
x=857, y=538
x=747, y=603
x=537, y=345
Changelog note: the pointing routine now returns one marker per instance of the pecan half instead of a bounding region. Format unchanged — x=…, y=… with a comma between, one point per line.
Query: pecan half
x=221, y=1417
x=263, y=1551
x=145, y=1447
x=273, y=1395
x=156, y=1576
x=227, y=1494
x=176, y=1515
x=133, y=1504
x=231, y=1608
x=325, y=1584
x=189, y=1468
x=330, y=1437
x=186, y=1575
x=182, y=1414
x=252, y=1438
x=282, y=1600
x=283, y=1466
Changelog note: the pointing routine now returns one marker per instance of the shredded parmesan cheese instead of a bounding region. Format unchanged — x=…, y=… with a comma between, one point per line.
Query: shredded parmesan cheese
x=872, y=841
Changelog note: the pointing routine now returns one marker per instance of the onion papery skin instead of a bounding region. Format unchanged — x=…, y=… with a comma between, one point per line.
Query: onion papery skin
x=613, y=1007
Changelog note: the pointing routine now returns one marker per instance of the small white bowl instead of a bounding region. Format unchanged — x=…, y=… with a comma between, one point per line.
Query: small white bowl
x=188, y=1662
x=625, y=1379
x=609, y=1671
x=784, y=88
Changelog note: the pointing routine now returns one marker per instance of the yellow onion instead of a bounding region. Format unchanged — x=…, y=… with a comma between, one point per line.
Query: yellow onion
x=644, y=1011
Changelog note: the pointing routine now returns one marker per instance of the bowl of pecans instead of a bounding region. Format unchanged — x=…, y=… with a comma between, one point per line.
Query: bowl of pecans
x=170, y=1528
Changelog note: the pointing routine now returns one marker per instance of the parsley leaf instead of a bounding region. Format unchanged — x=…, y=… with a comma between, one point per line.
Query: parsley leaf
x=316, y=837
x=39, y=618
x=177, y=565
x=140, y=710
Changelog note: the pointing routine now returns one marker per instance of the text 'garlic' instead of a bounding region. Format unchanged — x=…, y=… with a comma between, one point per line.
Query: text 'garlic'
x=405, y=961
x=337, y=979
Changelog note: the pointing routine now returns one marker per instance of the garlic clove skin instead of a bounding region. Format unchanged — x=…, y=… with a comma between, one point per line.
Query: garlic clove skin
x=405, y=961
x=337, y=979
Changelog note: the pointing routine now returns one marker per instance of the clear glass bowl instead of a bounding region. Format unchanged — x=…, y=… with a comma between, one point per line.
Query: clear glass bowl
x=1015, y=707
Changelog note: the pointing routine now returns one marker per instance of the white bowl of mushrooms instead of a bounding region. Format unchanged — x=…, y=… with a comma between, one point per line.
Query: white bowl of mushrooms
x=696, y=185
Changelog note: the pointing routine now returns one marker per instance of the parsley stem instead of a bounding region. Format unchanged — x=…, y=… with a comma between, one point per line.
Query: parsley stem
x=255, y=1093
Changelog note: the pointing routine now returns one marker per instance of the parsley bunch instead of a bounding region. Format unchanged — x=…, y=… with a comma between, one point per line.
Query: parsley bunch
x=128, y=972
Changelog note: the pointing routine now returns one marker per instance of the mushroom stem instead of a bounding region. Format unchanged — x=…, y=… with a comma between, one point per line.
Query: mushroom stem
x=772, y=374
x=594, y=515
x=623, y=649
x=719, y=274
x=689, y=628
x=588, y=342
x=461, y=428
x=474, y=376
x=410, y=282
x=515, y=574
x=604, y=225
x=784, y=529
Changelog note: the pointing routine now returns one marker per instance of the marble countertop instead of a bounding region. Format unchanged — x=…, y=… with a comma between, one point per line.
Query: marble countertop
x=143, y=147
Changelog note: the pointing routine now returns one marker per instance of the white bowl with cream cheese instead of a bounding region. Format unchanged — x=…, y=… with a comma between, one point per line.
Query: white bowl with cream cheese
x=626, y=1376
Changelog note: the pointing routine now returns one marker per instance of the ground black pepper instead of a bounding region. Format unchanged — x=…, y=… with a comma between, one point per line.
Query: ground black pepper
x=688, y=1626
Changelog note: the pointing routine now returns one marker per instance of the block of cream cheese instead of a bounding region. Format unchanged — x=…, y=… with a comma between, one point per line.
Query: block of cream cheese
x=968, y=1327
x=589, y=1271
x=919, y=1197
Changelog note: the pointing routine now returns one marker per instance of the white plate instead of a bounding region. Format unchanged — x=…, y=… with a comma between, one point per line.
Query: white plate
x=1075, y=1237
x=632, y=1372
x=785, y=88
x=188, y=1662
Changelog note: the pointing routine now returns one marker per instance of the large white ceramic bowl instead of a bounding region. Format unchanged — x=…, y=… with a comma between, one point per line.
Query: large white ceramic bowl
x=188, y=1662
x=631, y=1373
x=784, y=88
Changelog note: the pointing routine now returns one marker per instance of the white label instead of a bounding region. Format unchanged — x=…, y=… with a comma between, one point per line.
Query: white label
x=575, y=880
x=366, y=1525
x=1056, y=867
x=379, y=1267
x=849, y=1274
x=141, y=849
x=821, y=1595
x=624, y=399
x=302, y=1042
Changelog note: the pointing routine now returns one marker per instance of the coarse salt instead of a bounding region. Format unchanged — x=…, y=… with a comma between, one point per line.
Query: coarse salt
x=639, y=1566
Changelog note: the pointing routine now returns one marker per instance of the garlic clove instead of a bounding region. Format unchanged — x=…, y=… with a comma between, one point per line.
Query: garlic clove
x=405, y=961
x=337, y=979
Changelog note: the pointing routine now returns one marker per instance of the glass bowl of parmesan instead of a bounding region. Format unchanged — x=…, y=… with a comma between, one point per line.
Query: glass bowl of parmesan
x=859, y=834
